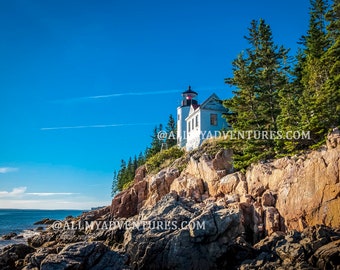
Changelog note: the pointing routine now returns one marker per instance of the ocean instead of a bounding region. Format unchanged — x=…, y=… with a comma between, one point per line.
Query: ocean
x=21, y=221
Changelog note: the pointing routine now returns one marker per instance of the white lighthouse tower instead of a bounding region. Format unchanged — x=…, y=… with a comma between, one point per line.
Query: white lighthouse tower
x=182, y=114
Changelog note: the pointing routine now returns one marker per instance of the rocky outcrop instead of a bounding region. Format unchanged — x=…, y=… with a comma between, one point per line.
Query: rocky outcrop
x=199, y=181
x=92, y=256
x=9, y=236
x=306, y=190
x=179, y=233
x=199, y=214
x=145, y=191
x=12, y=257
x=317, y=247
x=196, y=238
x=287, y=193
x=45, y=221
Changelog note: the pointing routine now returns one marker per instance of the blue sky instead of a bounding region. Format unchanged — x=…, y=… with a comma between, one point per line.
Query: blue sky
x=112, y=70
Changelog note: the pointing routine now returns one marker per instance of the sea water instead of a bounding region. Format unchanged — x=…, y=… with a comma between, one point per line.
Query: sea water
x=21, y=221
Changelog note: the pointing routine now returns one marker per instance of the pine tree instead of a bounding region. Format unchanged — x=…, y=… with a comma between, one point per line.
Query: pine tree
x=140, y=159
x=171, y=131
x=121, y=175
x=290, y=115
x=156, y=143
x=331, y=60
x=259, y=74
x=314, y=112
x=114, y=188
x=135, y=164
x=130, y=172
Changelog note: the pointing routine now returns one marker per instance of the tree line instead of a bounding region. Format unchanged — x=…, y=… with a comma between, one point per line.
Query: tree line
x=273, y=92
x=126, y=173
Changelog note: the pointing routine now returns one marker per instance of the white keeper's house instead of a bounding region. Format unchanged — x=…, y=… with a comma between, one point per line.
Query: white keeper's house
x=196, y=122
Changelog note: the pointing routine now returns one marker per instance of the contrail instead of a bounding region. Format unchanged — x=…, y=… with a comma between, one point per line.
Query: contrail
x=97, y=126
x=134, y=94
x=122, y=94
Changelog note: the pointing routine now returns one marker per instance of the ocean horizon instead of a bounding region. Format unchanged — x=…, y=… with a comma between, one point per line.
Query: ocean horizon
x=21, y=221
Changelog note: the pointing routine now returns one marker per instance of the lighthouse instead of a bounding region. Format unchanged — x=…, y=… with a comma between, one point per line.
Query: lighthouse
x=188, y=99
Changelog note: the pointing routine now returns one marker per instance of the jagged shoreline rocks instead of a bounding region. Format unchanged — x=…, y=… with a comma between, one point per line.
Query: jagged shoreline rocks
x=281, y=214
x=45, y=221
x=221, y=244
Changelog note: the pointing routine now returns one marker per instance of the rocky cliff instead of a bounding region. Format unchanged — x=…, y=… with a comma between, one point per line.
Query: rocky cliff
x=200, y=214
x=284, y=194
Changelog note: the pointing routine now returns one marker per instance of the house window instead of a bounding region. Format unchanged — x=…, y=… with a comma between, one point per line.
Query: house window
x=196, y=124
x=192, y=123
x=189, y=126
x=213, y=119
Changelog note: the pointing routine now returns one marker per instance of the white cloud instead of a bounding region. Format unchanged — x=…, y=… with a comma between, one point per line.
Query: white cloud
x=50, y=204
x=21, y=191
x=19, y=198
x=18, y=191
x=45, y=194
x=8, y=169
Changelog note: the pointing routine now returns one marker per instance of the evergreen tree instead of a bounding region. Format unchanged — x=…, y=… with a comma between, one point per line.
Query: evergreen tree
x=121, y=175
x=331, y=60
x=130, y=172
x=290, y=116
x=156, y=143
x=140, y=159
x=114, y=188
x=171, y=131
x=135, y=165
x=314, y=101
x=259, y=74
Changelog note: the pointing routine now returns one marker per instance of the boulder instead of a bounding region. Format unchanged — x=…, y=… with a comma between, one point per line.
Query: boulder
x=11, y=255
x=210, y=168
x=203, y=238
x=311, y=249
x=268, y=198
x=333, y=139
x=34, y=260
x=189, y=187
x=39, y=239
x=92, y=256
x=9, y=236
x=327, y=256
x=45, y=221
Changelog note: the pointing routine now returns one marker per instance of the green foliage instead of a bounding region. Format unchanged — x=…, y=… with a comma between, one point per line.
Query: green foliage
x=127, y=185
x=114, y=188
x=171, y=131
x=156, y=143
x=125, y=176
x=270, y=96
x=157, y=161
x=290, y=108
x=126, y=173
x=331, y=60
x=318, y=102
x=259, y=75
x=311, y=103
